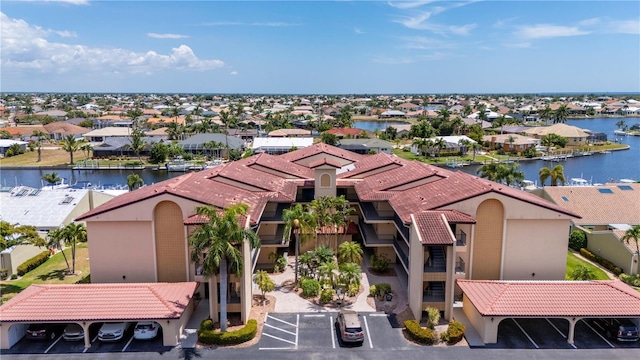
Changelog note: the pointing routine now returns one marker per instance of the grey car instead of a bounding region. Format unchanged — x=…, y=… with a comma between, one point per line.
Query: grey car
x=350, y=327
x=73, y=332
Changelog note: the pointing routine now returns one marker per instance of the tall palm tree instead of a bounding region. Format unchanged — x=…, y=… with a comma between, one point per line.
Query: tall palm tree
x=350, y=252
x=51, y=178
x=350, y=274
x=137, y=143
x=54, y=238
x=70, y=144
x=561, y=113
x=633, y=235
x=303, y=224
x=556, y=174
x=546, y=113
x=490, y=171
x=134, y=181
x=216, y=243
x=439, y=144
x=40, y=137
x=510, y=175
x=72, y=234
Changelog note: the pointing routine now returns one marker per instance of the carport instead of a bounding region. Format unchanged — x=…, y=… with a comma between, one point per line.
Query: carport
x=169, y=304
x=486, y=303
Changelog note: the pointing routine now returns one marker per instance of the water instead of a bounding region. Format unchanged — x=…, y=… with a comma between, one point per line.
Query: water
x=377, y=125
x=598, y=168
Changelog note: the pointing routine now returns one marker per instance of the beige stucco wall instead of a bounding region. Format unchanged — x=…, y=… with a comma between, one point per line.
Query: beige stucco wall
x=325, y=188
x=386, y=250
x=487, y=329
x=122, y=249
x=20, y=254
x=416, y=269
x=607, y=245
x=487, y=240
x=535, y=247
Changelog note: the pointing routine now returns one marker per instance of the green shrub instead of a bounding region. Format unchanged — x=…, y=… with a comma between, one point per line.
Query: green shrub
x=454, y=333
x=245, y=334
x=383, y=288
x=4, y=273
x=577, y=240
x=616, y=270
x=14, y=276
x=310, y=287
x=633, y=280
x=380, y=263
x=433, y=317
x=420, y=334
x=33, y=263
x=373, y=291
x=206, y=324
x=353, y=289
x=326, y=296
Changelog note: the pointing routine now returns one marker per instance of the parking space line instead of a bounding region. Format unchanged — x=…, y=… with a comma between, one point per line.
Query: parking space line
x=282, y=321
x=368, y=334
x=278, y=338
x=277, y=328
x=126, y=346
x=558, y=330
x=52, y=345
x=525, y=334
x=313, y=315
x=597, y=333
x=332, y=327
x=297, y=329
x=378, y=314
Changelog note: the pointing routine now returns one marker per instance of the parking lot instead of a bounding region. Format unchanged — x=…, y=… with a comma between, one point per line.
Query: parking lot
x=551, y=333
x=60, y=346
x=308, y=331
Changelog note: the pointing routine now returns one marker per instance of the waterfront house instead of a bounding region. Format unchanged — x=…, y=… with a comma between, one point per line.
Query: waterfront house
x=511, y=142
x=58, y=130
x=436, y=225
x=366, y=146
x=606, y=212
x=575, y=135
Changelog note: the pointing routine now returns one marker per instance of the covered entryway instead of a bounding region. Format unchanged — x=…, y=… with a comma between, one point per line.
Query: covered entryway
x=169, y=304
x=487, y=303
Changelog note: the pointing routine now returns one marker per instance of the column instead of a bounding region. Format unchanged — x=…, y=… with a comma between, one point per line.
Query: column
x=87, y=336
x=572, y=326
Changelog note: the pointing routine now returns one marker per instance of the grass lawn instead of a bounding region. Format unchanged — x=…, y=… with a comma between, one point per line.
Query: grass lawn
x=51, y=272
x=573, y=262
x=49, y=157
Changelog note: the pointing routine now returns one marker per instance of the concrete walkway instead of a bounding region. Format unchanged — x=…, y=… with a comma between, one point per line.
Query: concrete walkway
x=189, y=336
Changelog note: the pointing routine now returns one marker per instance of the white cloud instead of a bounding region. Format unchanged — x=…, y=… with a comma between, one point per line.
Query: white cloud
x=588, y=22
x=520, y=45
x=540, y=31
x=167, y=36
x=623, y=27
x=358, y=31
x=425, y=43
x=419, y=22
x=233, y=73
x=66, y=34
x=25, y=47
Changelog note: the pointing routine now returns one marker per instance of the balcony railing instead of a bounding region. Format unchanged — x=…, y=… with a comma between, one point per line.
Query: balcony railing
x=403, y=251
x=437, y=261
x=370, y=236
x=461, y=238
x=403, y=230
x=274, y=239
x=460, y=266
x=434, y=292
x=371, y=213
x=274, y=214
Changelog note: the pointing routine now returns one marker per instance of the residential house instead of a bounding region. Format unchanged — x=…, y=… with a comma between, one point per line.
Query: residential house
x=575, y=135
x=366, y=146
x=436, y=225
x=511, y=142
x=58, y=130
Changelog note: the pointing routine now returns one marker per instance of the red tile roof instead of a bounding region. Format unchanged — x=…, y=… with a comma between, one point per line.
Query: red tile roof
x=552, y=298
x=345, y=131
x=324, y=161
x=433, y=226
x=321, y=148
x=99, y=302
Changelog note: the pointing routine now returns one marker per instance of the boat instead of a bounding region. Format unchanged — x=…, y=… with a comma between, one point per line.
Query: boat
x=179, y=164
x=627, y=181
x=620, y=132
x=579, y=182
x=62, y=184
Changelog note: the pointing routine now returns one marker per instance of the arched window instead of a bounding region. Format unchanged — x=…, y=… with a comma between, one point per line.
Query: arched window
x=325, y=180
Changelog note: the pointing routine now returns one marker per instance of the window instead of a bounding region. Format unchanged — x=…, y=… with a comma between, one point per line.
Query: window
x=625, y=187
x=605, y=191
x=325, y=180
x=566, y=199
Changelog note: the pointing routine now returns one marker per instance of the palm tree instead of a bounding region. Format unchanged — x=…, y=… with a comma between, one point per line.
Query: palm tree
x=560, y=115
x=633, y=235
x=556, y=174
x=546, y=113
x=70, y=144
x=303, y=224
x=40, y=136
x=137, y=144
x=326, y=271
x=134, y=181
x=51, y=178
x=350, y=252
x=54, y=237
x=86, y=148
x=510, y=175
x=264, y=282
x=439, y=144
x=215, y=243
x=582, y=273
x=490, y=171
x=350, y=274
x=72, y=234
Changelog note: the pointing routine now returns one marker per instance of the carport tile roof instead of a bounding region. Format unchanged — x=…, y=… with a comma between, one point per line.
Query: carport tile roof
x=552, y=298
x=98, y=302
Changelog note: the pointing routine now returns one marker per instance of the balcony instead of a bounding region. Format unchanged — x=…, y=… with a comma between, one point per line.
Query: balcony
x=437, y=261
x=272, y=213
x=371, y=238
x=277, y=239
x=372, y=214
x=461, y=238
x=460, y=266
x=351, y=196
x=403, y=230
x=403, y=252
x=433, y=292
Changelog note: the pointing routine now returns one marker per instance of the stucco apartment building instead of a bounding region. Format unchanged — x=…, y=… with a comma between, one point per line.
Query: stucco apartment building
x=438, y=225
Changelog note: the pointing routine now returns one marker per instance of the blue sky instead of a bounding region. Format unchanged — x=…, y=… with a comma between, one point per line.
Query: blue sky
x=330, y=47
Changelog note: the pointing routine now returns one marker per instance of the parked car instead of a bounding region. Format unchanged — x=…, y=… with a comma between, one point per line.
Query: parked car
x=146, y=330
x=73, y=332
x=42, y=331
x=113, y=331
x=620, y=329
x=349, y=325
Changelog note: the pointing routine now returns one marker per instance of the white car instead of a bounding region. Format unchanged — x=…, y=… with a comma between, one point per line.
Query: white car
x=146, y=330
x=113, y=331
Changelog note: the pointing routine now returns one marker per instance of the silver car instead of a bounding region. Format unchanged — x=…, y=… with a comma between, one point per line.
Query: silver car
x=350, y=327
x=113, y=331
x=73, y=332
